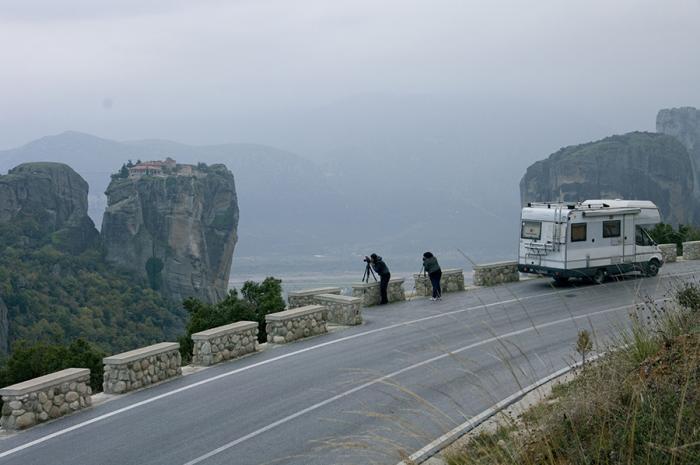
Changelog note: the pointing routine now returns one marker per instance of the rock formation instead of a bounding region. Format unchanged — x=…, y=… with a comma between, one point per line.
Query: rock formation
x=54, y=198
x=175, y=225
x=637, y=165
x=4, y=329
x=684, y=124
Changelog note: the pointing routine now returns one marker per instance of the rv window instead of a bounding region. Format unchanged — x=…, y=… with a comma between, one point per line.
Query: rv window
x=578, y=232
x=611, y=228
x=531, y=230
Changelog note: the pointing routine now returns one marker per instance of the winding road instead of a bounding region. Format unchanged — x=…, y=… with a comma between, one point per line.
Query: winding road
x=357, y=395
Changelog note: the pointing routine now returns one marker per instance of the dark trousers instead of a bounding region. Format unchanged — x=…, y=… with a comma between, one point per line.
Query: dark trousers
x=383, y=286
x=435, y=277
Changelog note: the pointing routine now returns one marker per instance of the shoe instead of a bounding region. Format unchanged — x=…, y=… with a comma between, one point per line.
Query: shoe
x=433, y=298
x=439, y=298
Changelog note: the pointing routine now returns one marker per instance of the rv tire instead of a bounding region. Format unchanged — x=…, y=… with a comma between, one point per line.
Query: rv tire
x=599, y=276
x=652, y=268
x=561, y=280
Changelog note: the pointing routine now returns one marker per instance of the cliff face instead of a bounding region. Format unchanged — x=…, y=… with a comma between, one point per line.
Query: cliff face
x=54, y=198
x=637, y=165
x=4, y=329
x=178, y=231
x=684, y=124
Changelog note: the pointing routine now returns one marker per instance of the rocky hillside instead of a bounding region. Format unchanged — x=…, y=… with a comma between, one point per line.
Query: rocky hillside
x=177, y=230
x=637, y=165
x=684, y=124
x=54, y=198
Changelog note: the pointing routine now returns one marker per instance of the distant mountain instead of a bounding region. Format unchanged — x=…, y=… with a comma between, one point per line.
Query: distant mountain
x=285, y=200
x=638, y=165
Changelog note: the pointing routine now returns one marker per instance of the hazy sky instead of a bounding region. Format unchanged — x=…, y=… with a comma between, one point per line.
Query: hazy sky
x=206, y=71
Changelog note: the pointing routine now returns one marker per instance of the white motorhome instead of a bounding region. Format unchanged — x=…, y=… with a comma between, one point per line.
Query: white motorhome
x=592, y=239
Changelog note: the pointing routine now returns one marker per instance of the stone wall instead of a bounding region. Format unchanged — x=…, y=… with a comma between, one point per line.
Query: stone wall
x=46, y=397
x=224, y=342
x=669, y=252
x=452, y=281
x=306, y=297
x=691, y=250
x=491, y=274
x=342, y=309
x=141, y=367
x=369, y=292
x=296, y=323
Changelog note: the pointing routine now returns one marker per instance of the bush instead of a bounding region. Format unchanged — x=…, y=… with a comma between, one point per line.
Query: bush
x=665, y=234
x=31, y=361
x=258, y=300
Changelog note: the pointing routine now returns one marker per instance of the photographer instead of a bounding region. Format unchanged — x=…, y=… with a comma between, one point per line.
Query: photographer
x=432, y=267
x=384, y=275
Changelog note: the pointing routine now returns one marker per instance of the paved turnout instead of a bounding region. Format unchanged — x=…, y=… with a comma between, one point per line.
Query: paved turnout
x=360, y=395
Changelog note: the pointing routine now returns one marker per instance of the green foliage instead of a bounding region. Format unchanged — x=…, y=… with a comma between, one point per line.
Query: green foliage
x=154, y=266
x=55, y=297
x=665, y=234
x=256, y=301
x=31, y=361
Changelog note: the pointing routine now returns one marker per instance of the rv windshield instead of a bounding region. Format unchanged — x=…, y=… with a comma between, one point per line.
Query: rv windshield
x=642, y=237
x=531, y=230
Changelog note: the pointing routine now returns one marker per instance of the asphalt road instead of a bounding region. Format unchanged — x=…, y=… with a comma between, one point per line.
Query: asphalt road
x=359, y=395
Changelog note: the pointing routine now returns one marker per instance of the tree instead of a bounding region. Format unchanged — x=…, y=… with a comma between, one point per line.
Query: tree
x=154, y=267
x=258, y=300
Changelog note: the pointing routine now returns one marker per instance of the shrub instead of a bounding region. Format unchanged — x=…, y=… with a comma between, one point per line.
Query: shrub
x=258, y=300
x=31, y=361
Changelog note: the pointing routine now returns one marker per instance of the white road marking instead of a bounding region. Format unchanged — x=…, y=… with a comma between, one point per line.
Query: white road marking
x=281, y=357
x=311, y=408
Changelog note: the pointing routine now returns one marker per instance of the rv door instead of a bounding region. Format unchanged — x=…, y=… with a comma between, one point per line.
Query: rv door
x=628, y=249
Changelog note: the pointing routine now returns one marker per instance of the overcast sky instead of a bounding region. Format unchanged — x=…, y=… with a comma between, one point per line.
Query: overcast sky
x=192, y=70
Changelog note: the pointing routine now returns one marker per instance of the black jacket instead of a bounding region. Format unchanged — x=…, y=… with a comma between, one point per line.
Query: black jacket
x=380, y=267
x=431, y=265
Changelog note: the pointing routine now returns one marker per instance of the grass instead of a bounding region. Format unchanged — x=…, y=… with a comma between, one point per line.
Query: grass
x=639, y=404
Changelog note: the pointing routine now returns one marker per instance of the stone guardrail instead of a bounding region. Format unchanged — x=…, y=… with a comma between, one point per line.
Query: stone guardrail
x=306, y=297
x=491, y=274
x=141, y=367
x=296, y=323
x=452, y=280
x=369, y=292
x=669, y=252
x=342, y=309
x=691, y=250
x=224, y=342
x=49, y=396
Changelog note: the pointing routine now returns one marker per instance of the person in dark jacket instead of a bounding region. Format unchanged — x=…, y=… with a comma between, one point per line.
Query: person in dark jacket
x=384, y=275
x=432, y=267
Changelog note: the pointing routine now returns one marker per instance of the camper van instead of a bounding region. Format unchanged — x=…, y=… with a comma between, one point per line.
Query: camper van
x=591, y=240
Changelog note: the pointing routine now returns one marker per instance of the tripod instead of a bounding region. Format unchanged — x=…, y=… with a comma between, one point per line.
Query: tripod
x=368, y=271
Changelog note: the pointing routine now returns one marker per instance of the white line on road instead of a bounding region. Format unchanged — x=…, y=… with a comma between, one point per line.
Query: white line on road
x=311, y=408
x=281, y=357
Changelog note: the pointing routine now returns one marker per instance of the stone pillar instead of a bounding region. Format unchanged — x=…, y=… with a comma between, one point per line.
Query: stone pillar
x=492, y=274
x=691, y=250
x=141, y=367
x=224, y=343
x=50, y=396
x=669, y=252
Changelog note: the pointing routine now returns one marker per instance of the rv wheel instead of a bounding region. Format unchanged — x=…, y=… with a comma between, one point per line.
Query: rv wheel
x=652, y=268
x=560, y=280
x=599, y=276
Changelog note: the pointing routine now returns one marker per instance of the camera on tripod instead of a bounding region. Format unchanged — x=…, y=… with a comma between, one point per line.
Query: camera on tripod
x=368, y=270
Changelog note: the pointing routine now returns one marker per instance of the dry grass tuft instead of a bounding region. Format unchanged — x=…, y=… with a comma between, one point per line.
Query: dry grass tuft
x=637, y=405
